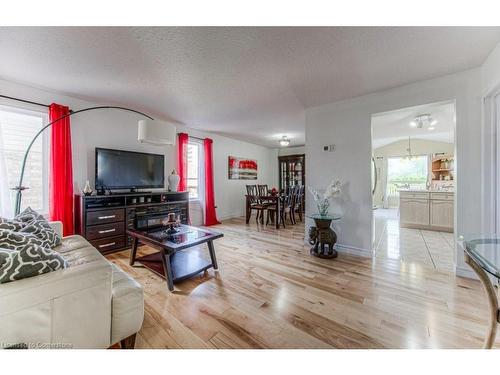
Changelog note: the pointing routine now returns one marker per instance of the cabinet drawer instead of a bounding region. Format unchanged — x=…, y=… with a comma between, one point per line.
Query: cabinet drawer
x=104, y=230
x=109, y=244
x=105, y=216
x=413, y=195
x=442, y=196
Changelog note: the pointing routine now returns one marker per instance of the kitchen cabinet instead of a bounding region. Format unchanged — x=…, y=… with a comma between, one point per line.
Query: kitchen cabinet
x=441, y=214
x=426, y=210
x=414, y=211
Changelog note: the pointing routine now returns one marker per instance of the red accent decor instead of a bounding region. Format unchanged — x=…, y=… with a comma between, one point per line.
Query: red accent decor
x=210, y=214
x=61, y=170
x=182, y=161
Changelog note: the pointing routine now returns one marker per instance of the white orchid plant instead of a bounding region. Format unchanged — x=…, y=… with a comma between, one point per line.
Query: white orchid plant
x=323, y=200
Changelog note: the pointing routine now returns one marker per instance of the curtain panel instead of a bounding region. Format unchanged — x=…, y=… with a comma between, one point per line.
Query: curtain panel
x=61, y=169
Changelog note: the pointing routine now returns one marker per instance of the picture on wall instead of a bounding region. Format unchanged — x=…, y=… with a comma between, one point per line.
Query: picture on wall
x=242, y=169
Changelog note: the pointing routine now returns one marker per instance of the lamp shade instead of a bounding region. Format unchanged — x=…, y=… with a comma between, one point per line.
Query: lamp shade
x=156, y=132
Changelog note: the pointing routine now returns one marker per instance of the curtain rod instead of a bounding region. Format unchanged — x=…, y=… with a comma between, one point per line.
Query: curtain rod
x=198, y=138
x=24, y=101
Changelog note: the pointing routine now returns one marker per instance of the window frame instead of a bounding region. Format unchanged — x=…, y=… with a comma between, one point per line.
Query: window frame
x=45, y=139
x=388, y=181
x=199, y=178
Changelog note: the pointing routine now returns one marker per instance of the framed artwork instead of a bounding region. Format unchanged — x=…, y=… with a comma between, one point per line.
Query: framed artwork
x=242, y=169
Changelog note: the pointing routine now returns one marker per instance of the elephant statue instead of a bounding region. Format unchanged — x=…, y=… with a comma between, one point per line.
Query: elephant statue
x=323, y=241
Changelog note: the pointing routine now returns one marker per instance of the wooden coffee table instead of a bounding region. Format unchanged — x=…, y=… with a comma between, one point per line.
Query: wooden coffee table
x=170, y=262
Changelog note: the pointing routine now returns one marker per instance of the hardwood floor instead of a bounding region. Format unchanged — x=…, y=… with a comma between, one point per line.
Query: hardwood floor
x=270, y=293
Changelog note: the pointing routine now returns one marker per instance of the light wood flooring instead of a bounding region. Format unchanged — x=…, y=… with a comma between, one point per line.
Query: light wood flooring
x=270, y=293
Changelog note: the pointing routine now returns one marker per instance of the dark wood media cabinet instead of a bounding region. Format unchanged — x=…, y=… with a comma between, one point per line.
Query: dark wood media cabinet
x=104, y=219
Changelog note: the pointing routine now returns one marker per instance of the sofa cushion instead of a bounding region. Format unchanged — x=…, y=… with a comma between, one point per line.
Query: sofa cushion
x=127, y=308
x=27, y=261
x=77, y=250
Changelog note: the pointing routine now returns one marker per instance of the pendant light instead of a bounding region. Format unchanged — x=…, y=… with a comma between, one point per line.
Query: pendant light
x=284, y=141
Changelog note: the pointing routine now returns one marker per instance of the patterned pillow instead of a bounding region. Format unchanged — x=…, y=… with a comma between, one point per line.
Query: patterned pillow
x=11, y=224
x=42, y=230
x=29, y=214
x=36, y=224
x=4, y=256
x=31, y=260
x=12, y=240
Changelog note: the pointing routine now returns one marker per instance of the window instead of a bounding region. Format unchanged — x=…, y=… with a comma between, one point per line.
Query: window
x=194, y=168
x=17, y=129
x=406, y=173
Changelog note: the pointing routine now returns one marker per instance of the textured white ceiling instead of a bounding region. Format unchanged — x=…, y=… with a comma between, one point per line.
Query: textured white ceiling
x=394, y=126
x=249, y=83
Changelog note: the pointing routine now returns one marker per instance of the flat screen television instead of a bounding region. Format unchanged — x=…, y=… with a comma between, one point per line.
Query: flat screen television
x=118, y=169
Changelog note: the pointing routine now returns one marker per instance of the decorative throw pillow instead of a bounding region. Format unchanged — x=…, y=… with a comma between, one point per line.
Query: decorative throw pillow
x=11, y=224
x=42, y=229
x=36, y=224
x=12, y=240
x=28, y=214
x=4, y=256
x=31, y=260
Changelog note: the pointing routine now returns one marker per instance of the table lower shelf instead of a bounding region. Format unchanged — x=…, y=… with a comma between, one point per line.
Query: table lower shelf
x=185, y=264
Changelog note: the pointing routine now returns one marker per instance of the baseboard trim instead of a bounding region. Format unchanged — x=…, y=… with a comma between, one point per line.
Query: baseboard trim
x=232, y=216
x=351, y=250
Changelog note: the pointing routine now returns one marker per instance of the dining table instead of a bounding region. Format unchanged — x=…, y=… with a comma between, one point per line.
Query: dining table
x=267, y=199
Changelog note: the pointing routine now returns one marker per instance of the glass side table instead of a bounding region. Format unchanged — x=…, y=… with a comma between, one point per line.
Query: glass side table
x=322, y=237
x=478, y=251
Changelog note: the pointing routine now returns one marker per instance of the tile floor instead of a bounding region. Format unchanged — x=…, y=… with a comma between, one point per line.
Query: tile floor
x=429, y=248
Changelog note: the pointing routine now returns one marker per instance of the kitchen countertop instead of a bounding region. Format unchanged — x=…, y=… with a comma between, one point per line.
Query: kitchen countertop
x=424, y=191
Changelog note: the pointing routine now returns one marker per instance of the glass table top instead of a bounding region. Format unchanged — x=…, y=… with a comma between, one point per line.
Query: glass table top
x=325, y=217
x=185, y=234
x=484, y=250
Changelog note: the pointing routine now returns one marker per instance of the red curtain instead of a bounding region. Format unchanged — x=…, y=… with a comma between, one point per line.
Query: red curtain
x=61, y=169
x=182, y=160
x=210, y=214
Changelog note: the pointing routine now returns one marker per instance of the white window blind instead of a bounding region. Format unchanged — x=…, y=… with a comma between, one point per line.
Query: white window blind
x=17, y=129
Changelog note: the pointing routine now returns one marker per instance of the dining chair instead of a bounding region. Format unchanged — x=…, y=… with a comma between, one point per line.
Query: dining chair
x=298, y=206
x=263, y=190
x=255, y=203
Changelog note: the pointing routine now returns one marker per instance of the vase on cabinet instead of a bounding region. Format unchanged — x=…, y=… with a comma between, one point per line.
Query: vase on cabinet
x=87, y=190
x=173, y=181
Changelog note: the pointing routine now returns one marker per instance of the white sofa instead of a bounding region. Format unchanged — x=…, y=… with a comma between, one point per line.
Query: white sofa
x=90, y=304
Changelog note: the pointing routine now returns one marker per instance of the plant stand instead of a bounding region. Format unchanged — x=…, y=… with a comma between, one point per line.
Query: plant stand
x=322, y=237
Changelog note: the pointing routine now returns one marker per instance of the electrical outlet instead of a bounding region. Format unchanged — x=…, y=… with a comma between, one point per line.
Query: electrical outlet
x=329, y=148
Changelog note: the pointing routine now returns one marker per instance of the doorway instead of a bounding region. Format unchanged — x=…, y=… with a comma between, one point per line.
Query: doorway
x=413, y=185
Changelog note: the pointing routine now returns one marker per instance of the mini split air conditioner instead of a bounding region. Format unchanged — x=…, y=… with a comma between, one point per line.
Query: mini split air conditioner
x=157, y=132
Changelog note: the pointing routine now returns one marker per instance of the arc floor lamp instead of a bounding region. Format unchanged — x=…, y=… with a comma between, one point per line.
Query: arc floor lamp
x=148, y=133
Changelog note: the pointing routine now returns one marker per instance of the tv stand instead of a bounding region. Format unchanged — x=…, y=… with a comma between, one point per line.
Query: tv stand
x=135, y=192
x=104, y=219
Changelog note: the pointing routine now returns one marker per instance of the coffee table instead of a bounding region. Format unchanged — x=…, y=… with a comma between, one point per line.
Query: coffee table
x=170, y=262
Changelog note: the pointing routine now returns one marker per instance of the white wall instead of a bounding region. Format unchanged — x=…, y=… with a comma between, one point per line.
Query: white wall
x=297, y=150
x=347, y=125
x=118, y=129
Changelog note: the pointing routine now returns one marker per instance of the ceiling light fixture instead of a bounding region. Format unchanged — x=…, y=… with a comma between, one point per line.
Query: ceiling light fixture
x=284, y=141
x=409, y=156
x=423, y=120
